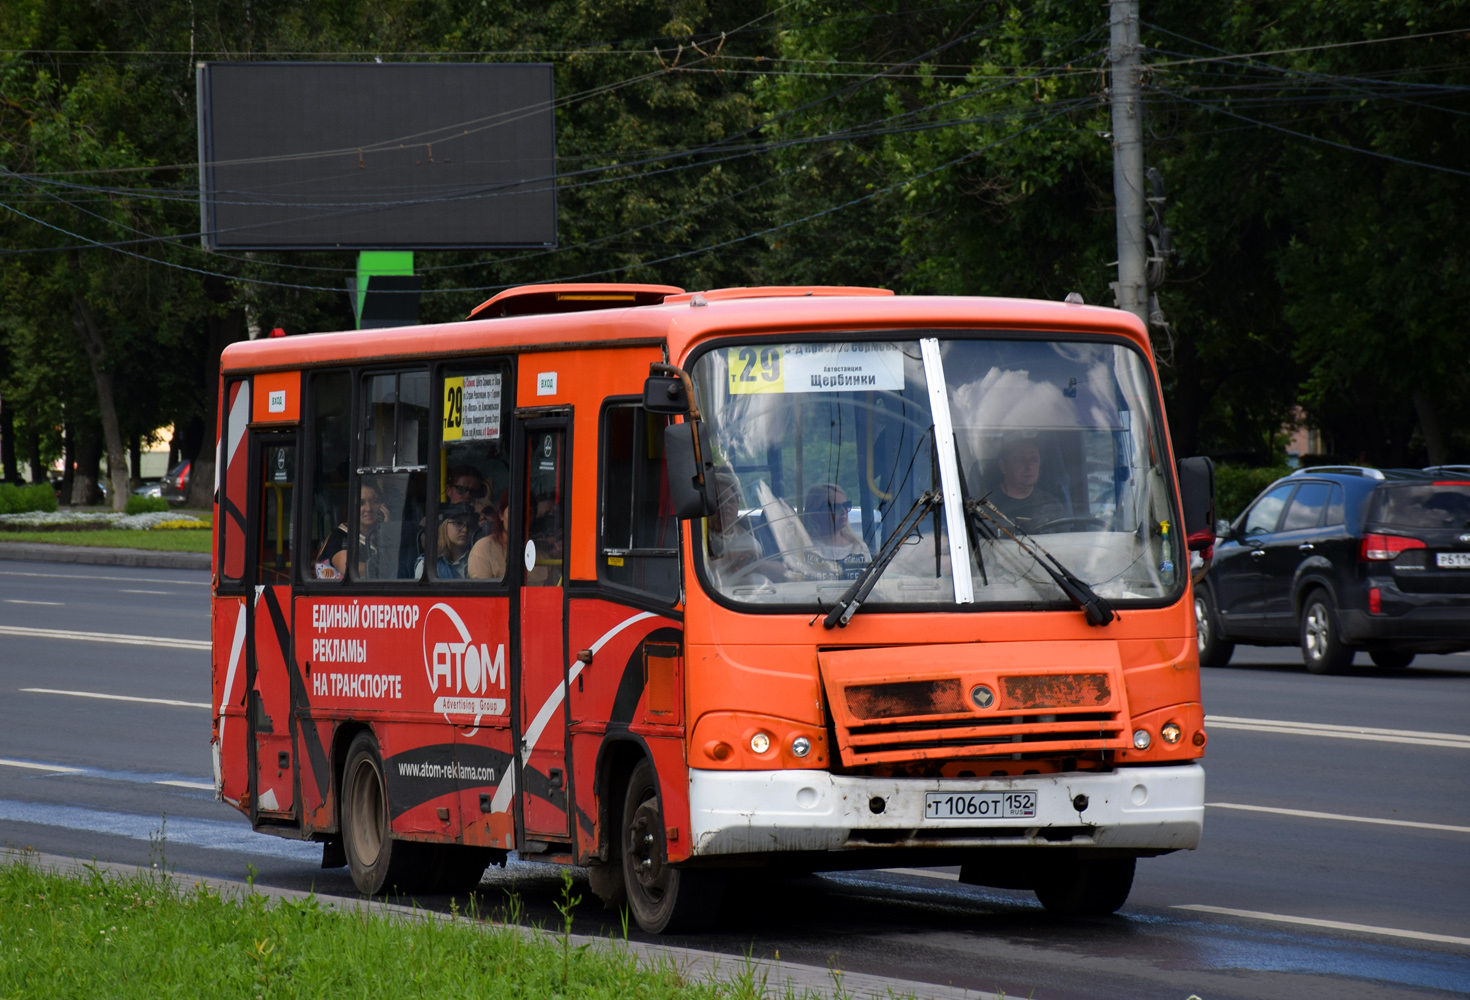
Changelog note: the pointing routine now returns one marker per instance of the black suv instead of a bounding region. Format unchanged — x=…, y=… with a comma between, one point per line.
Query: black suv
x=1340, y=559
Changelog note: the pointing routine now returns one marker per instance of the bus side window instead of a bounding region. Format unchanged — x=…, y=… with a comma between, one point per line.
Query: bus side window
x=392, y=477
x=474, y=473
x=638, y=534
x=330, y=451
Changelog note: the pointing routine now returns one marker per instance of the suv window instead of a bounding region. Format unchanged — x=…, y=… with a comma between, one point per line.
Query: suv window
x=1334, y=507
x=1306, y=507
x=1267, y=511
x=1430, y=505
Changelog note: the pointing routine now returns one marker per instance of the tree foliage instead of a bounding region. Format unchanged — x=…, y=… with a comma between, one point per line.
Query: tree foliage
x=1315, y=188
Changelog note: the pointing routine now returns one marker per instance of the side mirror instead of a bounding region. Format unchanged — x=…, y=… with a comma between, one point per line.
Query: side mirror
x=665, y=394
x=689, y=495
x=1222, y=528
x=1197, y=502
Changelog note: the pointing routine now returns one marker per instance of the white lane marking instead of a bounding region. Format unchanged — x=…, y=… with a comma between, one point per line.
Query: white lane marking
x=125, y=590
x=49, y=604
x=113, y=637
x=506, y=789
x=52, y=768
x=119, y=697
x=201, y=785
x=1405, y=736
x=1336, y=925
x=1308, y=814
x=923, y=873
x=112, y=579
x=210, y=834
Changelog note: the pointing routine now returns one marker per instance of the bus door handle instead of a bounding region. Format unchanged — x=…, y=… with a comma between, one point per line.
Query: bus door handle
x=553, y=777
x=1304, y=547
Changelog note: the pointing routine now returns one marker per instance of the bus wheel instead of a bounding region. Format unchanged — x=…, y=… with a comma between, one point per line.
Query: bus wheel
x=376, y=860
x=453, y=868
x=663, y=899
x=1087, y=887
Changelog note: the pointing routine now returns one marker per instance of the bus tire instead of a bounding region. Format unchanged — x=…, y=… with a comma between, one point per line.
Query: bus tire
x=1087, y=887
x=662, y=898
x=455, y=869
x=377, y=861
x=1214, y=650
x=1322, y=647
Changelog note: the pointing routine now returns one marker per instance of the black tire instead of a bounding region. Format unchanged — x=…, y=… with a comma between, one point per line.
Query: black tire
x=1087, y=887
x=1213, y=650
x=1322, y=647
x=1391, y=659
x=662, y=898
x=378, y=862
x=453, y=868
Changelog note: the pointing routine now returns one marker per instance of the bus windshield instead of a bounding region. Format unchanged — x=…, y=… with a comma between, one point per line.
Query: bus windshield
x=822, y=449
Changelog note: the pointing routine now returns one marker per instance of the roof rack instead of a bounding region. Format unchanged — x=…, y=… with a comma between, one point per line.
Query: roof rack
x=1341, y=470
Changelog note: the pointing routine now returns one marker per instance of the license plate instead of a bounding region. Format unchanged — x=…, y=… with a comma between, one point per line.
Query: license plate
x=1452, y=560
x=980, y=805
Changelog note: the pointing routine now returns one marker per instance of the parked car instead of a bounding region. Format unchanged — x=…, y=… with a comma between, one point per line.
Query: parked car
x=148, y=488
x=174, y=486
x=1339, y=559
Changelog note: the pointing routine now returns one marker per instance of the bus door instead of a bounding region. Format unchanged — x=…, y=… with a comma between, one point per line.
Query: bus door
x=542, y=715
x=268, y=635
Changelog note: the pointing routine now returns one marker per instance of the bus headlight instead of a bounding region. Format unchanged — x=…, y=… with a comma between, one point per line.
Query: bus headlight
x=760, y=743
x=801, y=746
x=1141, y=739
x=1171, y=733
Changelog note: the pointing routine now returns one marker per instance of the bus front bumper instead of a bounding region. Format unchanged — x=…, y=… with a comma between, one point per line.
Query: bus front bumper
x=757, y=812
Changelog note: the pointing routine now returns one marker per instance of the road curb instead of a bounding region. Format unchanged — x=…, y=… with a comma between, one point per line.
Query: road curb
x=97, y=556
x=780, y=979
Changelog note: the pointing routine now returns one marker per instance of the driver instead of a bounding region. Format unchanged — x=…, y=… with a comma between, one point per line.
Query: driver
x=1017, y=496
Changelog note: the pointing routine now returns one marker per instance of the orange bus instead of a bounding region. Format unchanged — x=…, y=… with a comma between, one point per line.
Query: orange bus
x=669, y=584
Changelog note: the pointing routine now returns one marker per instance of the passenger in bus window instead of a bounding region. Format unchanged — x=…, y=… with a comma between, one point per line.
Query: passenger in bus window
x=487, y=555
x=1017, y=496
x=826, y=520
x=735, y=551
x=456, y=524
x=465, y=485
x=331, y=561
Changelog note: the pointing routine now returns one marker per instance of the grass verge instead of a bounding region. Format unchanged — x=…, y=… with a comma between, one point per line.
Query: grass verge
x=118, y=538
x=148, y=935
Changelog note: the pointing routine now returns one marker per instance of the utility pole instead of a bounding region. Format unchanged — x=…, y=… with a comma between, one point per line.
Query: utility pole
x=1124, y=58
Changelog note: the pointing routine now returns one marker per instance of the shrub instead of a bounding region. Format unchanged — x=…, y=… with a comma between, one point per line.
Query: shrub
x=24, y=499
x=145, y=505
x=1236, y=487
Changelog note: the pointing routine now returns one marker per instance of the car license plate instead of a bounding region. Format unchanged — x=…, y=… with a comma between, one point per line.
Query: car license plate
x=980, y=805
x=1453, y=560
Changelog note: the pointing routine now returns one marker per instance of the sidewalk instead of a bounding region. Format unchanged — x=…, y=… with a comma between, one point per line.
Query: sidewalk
x=135, y=558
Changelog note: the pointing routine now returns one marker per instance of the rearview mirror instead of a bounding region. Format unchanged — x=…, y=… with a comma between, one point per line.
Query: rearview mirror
x=1197, y=502
x=665, y=394
x=690, y=494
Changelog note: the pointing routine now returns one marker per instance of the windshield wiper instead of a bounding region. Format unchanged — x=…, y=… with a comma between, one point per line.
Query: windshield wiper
x=987, y=519
x=848, y=604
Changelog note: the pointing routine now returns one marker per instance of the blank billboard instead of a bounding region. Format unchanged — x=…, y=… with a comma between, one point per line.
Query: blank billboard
x=370, y=155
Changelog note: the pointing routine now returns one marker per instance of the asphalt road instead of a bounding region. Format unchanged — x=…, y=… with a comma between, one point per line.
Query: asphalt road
x=1334, y=864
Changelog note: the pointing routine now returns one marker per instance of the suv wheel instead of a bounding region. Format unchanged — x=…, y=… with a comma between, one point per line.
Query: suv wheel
x=1391, y=659
x=1322, y=646
x=1213, y=650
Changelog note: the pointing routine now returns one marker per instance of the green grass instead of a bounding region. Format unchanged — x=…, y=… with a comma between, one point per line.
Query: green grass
x=186, y=540
x=149, y=936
